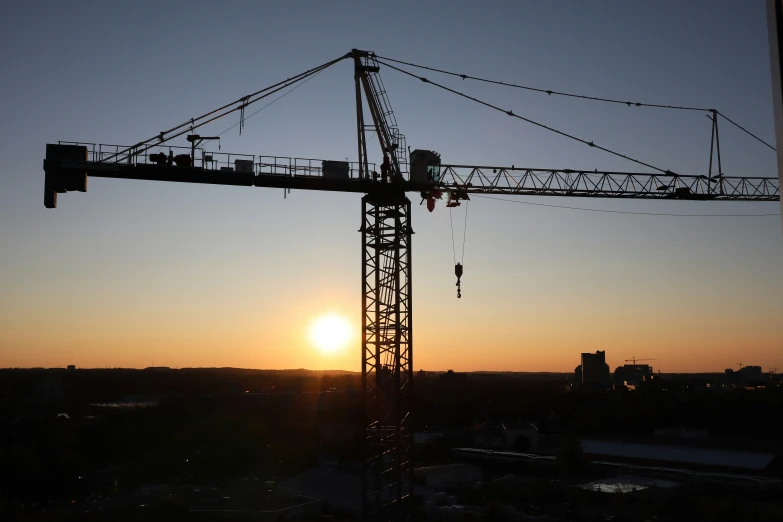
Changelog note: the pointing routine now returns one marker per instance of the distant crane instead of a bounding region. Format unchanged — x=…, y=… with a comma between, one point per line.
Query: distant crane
x=740, y=365
x=634, y=359
x=773, y=371
x=386, y=231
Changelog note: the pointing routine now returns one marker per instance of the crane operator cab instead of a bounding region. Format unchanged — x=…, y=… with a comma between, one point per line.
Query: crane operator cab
x=425, y=166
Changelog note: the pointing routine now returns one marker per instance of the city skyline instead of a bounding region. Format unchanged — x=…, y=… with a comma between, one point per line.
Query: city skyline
x=633, y=361
x=219, y=276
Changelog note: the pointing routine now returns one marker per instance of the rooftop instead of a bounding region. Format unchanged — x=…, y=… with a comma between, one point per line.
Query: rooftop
x=681, y=454
x=627, y=484
x=335, y=486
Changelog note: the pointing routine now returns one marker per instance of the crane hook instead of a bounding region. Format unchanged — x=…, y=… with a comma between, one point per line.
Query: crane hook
x=458, y=273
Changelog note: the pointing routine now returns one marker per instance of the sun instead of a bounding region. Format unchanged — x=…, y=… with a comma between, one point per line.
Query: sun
x=330, y=333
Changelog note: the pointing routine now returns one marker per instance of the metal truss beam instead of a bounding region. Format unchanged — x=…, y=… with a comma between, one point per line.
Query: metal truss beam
x=573, y=183
x=387, y=356
x=292, y=173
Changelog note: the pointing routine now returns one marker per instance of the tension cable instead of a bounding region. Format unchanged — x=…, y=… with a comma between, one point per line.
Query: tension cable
x=551, y=92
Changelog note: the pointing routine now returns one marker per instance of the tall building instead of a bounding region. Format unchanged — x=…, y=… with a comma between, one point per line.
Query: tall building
x=750, y=373
x=632, y=374
x=595, y=371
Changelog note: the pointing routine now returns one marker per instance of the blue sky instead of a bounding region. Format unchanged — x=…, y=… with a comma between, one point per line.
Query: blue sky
x=232, y=276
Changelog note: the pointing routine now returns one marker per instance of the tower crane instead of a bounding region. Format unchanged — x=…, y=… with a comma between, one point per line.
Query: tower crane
x=634, y=359
x=386, y=270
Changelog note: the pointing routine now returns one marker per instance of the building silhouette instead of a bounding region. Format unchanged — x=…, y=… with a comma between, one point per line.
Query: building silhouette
x=632, y=374
x=750, y=373
x=745, y=375
x=593, y=372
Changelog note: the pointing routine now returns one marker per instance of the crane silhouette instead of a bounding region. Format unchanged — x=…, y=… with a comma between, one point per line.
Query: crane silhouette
x=634, y=359
x=386, y=230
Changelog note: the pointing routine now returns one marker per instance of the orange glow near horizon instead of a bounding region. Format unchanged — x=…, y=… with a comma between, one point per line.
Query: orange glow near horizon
x=294, y=332
x=330, y=333
x=135, y=273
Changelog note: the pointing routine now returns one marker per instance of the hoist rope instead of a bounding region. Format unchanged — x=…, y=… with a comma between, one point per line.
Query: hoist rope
x=465, y=231
x=453, y=248
x=464, y=235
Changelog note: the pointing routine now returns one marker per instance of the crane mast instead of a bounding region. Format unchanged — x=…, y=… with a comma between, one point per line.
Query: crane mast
x=387, y=333
x=387, y=288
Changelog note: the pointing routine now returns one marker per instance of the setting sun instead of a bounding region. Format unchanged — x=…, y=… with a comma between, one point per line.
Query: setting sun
x=330, y=333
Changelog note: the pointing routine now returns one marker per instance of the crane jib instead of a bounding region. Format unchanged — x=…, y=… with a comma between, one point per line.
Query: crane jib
x=65, y=175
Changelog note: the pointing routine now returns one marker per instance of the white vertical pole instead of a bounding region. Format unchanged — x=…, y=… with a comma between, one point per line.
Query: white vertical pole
x=775, y=30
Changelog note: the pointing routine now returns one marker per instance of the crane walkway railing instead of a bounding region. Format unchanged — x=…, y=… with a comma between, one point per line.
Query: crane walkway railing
x=261, y=164
x=469, y=179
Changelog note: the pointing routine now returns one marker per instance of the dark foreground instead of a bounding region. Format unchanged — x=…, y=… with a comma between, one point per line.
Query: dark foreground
x=225, y=444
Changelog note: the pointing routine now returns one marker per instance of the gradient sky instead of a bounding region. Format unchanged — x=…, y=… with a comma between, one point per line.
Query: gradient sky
x=230, y=276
